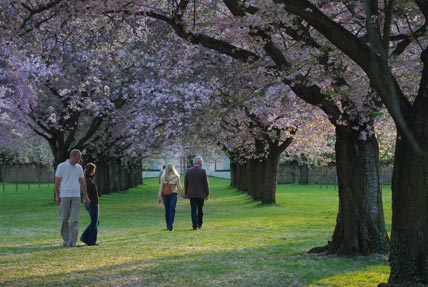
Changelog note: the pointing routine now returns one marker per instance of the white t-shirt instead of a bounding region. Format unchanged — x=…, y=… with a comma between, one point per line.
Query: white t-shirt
x=70, y=175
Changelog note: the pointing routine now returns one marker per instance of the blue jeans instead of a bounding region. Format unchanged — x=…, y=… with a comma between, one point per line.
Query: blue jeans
x=196, y=205
x=89, y=236
x=169, y=202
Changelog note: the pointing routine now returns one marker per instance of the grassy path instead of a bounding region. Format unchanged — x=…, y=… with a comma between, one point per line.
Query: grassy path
x=242, y=243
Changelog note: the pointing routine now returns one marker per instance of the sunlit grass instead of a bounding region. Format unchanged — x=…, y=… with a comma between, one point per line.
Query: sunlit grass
x=243, y=243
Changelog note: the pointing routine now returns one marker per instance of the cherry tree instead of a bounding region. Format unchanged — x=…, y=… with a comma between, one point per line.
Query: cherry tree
x=247, y=119
x=364, y=34
x=81, y=87
x=245, y=33
x=263, y=34
x=390, y=31
x=262, y=131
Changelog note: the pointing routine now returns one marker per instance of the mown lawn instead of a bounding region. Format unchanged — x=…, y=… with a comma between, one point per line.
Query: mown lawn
x=242, y=244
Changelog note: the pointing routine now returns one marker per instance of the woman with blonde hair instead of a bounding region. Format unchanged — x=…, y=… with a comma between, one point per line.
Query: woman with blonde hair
x=170, y=180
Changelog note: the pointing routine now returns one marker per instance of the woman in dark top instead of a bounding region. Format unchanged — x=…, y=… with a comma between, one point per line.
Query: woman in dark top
x=89, y=236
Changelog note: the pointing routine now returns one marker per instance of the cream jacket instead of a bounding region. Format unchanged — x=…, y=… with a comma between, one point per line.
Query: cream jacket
x=174, y=180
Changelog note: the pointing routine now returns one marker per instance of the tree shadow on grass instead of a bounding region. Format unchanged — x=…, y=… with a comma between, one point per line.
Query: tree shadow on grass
x=270, y=265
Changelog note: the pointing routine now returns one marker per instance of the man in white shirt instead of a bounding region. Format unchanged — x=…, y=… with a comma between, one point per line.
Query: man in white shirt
x=69, y=181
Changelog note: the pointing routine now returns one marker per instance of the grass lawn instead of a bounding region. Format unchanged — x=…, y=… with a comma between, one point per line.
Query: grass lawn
x=242, y=243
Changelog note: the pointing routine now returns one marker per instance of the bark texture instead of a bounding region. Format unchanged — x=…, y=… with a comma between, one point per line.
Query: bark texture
x=360, y=225
x=409, y=234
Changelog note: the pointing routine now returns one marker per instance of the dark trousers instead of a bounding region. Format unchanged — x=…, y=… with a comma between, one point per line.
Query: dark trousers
x=89, y=236
x=169, y=202
x=196, y=205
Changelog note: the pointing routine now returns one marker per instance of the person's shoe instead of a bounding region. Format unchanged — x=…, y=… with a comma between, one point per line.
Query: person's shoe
x=73, y=245
x=65, y=243
x=81, y=239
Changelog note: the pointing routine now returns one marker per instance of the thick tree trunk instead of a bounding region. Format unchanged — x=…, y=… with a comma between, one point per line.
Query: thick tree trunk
x=241, y=177
x=409, y=235
x=270, y=176
x=255, y=177
x=360, y=226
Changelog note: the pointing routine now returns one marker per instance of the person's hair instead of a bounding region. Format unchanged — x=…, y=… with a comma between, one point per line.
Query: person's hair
x=90, y=168
x=197, y=159
x=74, y=152
x=170, y=168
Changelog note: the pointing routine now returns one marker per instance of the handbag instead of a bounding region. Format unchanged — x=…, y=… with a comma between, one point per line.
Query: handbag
x=167, y=188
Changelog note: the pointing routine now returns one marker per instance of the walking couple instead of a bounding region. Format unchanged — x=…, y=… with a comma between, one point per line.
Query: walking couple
x=195, y=188
x=70, y=180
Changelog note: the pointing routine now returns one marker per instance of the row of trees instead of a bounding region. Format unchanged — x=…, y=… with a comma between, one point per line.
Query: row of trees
x=99, y=92
x=346, y=58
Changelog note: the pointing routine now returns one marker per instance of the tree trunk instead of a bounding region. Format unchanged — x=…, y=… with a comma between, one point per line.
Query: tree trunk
x=360, y=226
x=304, y=174
x=59, y=153
x=255, y=178
x=113, y=177
x=409, y=235
x=252, y=175
x=242, y=182
x=101, y=177
x=233, y=167
x=137, y=175
x=270, y=176
x=238, y=172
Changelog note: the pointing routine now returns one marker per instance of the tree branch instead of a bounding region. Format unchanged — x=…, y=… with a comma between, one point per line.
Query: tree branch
x=38, y=10
x=196, y=38
x=370, y=60
x=406, y=40
x=288, y=141
x=389, y=5
x=96, y=123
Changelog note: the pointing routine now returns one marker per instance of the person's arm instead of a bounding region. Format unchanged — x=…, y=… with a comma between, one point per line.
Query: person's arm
x=186, y=185
x=206, y=186
x=89, y=189
x=84, y=190
x=180, y=189
x=160, y=188
x=57, y=184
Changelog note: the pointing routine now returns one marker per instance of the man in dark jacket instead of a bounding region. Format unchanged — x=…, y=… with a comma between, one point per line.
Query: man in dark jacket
x=197, y=190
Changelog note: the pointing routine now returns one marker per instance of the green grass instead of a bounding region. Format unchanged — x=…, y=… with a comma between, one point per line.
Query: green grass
x=242, y=244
